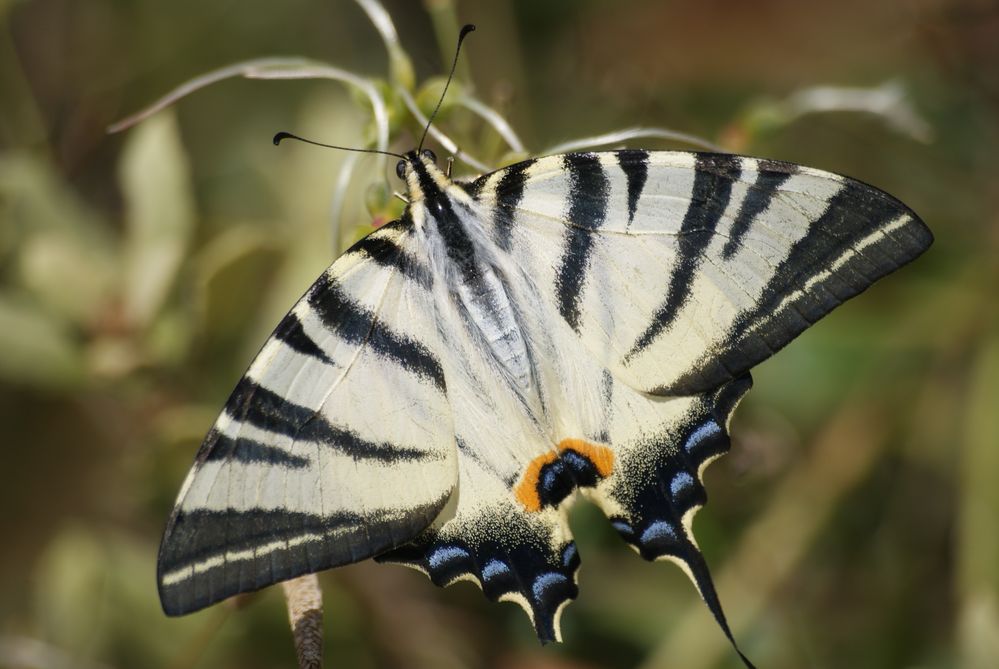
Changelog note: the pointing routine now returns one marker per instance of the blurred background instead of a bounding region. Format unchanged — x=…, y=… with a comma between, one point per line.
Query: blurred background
x=854, y=523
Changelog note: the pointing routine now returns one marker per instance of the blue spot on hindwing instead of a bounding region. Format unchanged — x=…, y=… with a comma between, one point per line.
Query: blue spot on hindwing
x=709, y=429
x=569, y=554
x=580, y=467
x=493, y=569
x=551, y=475
x=545, y=582
x=445, y=555
x=660, y=529
x=556, y=482
x=680, y=482
x=622, y=526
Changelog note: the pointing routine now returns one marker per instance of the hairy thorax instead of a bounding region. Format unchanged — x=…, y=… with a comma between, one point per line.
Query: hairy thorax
x=478, y=294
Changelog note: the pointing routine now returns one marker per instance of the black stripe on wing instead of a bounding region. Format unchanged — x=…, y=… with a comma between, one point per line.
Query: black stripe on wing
x=713, y=178
x=589, y=190
x=252, y=404
x=250, y=451
x=509, y=192
x=381, y=247
x=805, y=286
x=207, y=556
x=769, y=179
x=291, y=331
x=357, y=325
x=635, y=165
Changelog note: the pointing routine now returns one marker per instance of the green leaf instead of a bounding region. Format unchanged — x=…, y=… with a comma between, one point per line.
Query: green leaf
x=401, y=68
x=35, y=347
x=96, y=600
x=35, y=198
x=62, y=252
x=232, y=273
x=977, y=540
x=155, y=181
x=430, y=92
x=68, y=277
x=69, y=594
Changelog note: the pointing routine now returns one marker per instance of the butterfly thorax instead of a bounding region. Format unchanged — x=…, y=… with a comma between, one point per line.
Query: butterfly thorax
x=475, y=289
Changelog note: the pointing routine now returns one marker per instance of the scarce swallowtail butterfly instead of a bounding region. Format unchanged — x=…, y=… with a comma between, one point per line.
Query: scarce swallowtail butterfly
x=578, y=324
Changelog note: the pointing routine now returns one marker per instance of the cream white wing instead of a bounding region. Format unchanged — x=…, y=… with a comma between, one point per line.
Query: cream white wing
x=336, y=445
x=680, y=271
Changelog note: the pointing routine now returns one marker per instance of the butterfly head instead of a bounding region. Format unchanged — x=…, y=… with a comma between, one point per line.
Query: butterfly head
x=424, y=180
x=422, y=156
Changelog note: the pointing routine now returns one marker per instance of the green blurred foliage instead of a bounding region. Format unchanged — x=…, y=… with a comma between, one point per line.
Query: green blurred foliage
x=853, y=524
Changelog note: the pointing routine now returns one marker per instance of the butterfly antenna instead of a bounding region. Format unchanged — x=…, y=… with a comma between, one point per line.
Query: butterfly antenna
x=287, y=135
x=467, y=28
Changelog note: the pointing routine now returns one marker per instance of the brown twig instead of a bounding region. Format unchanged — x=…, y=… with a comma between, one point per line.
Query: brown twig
x=305, y=614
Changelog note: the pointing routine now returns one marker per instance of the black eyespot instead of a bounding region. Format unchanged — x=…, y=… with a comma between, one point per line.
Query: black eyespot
x=427, y=154
x=400, y=169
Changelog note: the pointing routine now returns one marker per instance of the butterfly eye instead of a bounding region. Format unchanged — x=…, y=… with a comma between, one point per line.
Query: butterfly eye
x=400, y=169
x=427, y=154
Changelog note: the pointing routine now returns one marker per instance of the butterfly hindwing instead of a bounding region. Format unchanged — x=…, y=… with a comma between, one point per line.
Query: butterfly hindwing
x=680, y=271
x=641, y=462
x=336, y=445
x=661, y=447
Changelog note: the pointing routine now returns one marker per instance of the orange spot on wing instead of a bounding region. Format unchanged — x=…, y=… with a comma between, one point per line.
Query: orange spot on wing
x=526, y=491
x=601, y=456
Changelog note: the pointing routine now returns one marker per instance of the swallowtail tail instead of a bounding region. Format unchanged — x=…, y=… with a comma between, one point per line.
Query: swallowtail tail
x=579, y=324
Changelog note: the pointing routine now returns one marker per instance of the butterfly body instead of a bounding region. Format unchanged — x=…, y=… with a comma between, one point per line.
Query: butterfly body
x=474, y=294
x=576, y=324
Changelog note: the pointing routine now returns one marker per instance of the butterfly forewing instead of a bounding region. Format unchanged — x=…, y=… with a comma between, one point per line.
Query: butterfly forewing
x=681, y=271
x=336, y=445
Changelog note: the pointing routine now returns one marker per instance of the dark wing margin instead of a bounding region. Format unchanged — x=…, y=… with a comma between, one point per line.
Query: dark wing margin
x=863, y=235
x=228, y=552
x=658, y=489
x=292, y=478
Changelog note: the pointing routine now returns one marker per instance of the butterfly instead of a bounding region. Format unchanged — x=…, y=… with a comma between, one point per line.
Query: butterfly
x=578, y=325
